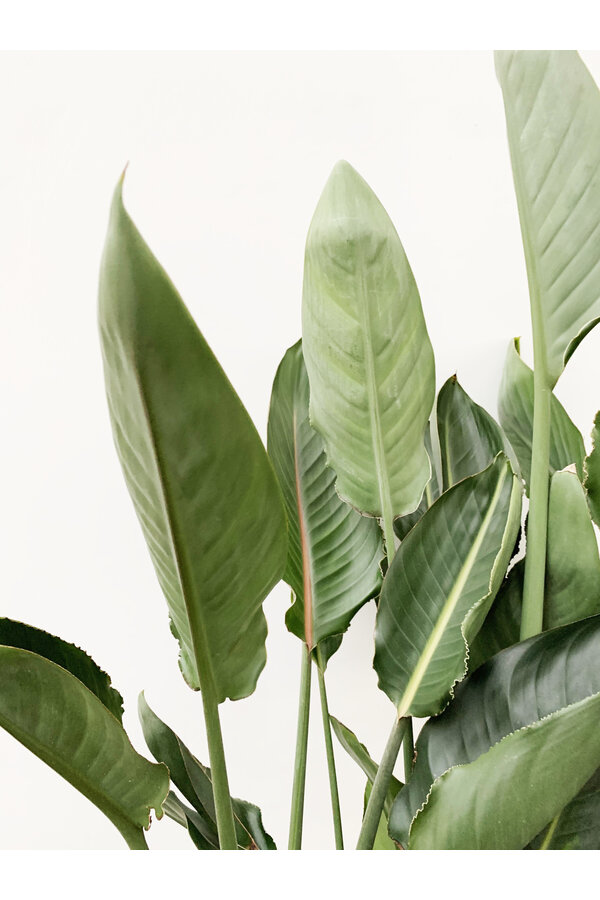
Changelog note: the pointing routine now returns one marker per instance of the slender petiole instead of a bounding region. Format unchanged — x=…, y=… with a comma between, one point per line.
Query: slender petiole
x=333, y=785
x=380, y=787
x=297, y=812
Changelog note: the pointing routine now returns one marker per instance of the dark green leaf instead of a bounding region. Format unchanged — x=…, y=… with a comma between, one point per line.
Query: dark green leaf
x=200, y=479
x=359, y=753
x=577, y=827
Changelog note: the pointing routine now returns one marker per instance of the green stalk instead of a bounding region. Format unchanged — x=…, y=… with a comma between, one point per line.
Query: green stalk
x=408, y=748
x=333, y=785
x=134, y=837
x=222, y=797
x=297, y=812
x=380, y=787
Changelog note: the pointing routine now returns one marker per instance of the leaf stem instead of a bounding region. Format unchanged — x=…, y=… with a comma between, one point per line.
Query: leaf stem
x=380, y=787
x=333, y=785
x=550, y=833
x=297, y=812
x=134, y=837
x=222, y=797
x=532, y=616
x=408, y=748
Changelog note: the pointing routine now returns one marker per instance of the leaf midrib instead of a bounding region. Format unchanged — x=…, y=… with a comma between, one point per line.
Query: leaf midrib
x=449, y=606
x=307, y=579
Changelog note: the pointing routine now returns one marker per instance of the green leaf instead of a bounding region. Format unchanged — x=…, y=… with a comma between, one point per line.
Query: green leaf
x=440, y=586
x=359, y=753
x=382, y=840
x=200, y=479
x=517, y=744
x=592, y=472
x=68, y=727
x=333, y=551
x=553, y=119
x=572, y=582
x=515, y=411
x=469, y=437
x=432, y=491
x=65, y=655
x=189, y=818
x=367, y=351
x=577, y=826
x=194, y=780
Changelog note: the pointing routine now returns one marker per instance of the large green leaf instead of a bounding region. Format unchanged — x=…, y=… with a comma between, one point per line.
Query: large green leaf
x=367, y=351
x=68, y=656
x=200, y=479
x=515, y=411
x=577, y=826
x=572, y=582
x=469, y=437
x=440, y=586
x=55, y=716
x=194, y=780
x=553, y=119
x=592, y=472
x=432, y=491
x=333, y=551
x=517, y=744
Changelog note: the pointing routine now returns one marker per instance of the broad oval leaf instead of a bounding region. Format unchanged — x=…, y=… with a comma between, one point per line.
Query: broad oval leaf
x=592, y=472
x=333, y=551
x=65, y=655
x=200, y=479
x=516, y=745
x=572, y=582
x=577, y=826
x=367, y=351
x=515, y=411
x=194, y=780
x=553, y=120
x=63, y=723
x=440, y=586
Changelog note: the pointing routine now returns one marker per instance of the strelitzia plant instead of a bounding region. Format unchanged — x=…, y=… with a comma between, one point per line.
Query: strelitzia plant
x=370, y=489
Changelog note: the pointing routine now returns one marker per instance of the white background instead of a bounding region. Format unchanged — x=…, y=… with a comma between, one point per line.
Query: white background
x=228, y=154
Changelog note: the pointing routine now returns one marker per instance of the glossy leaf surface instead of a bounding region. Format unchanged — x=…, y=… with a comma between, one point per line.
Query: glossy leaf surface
x=440, y=586
x=63, y=723
x=333, y=552
x=194, y=780
x=200, y=479
x=367, y=351
x=553, y=119
x=65, y=655
x=572, y=582
x=515, y=411
x=517, y=744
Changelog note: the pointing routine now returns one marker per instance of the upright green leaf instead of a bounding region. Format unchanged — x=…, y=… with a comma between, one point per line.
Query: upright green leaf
x=572, y=582
x=54, y=715
x=592, y=472
x=200, y=479
x=440, y=586
x=515, y=410
x=553, y=119
x=68, y=656
x=367, y=351
x=577, y=826
x=194, y=780
x=333, y=551
x=517, y=744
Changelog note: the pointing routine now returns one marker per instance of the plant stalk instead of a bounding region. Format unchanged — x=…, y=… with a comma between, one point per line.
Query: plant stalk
x=297, y=812
x=135, y=838
x=333, y=785
x=408, y=748
x=532, y=616
x=380, y=787
x=220, y=782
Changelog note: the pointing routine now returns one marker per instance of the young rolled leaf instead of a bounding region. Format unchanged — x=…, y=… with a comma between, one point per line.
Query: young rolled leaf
x=200, y=479
x=440, y=586
x=516, y=745
x=515, y=411
x=65, y=655
x=333, y=552
x=592, y=472
x=359, y=753
x=367, y=351
x=577, y=826
x=572, y=582
x=553, y=120
x=469, y=437
x=53, y=714
x=194, y=780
